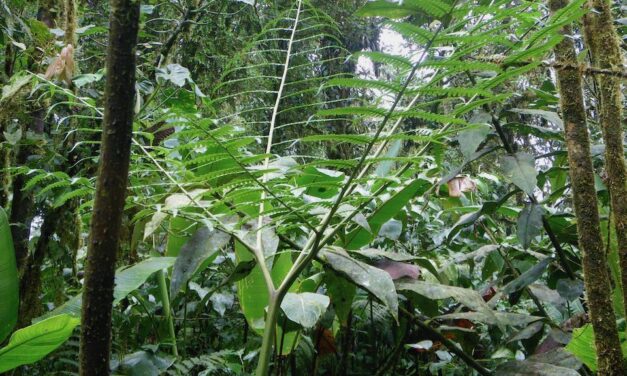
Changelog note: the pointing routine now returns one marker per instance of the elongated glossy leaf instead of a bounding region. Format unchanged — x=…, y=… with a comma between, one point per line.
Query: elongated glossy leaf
x=527, y=278
x=9, y=283
x=200, y=249
x=470, y=298
x=529, y=224
x=126, y=281
x=521, y=170
x=525, y=367
x=374, y=280
x=360, y=237
x=304, y=308
x=32, y=343
x=494, y=318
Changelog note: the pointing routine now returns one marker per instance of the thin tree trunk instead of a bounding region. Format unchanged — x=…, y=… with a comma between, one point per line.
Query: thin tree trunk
x=596, y=277
x=603, y=43
x=110, y=188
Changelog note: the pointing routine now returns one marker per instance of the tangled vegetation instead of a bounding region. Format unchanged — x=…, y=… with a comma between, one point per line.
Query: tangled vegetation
x=309, y=187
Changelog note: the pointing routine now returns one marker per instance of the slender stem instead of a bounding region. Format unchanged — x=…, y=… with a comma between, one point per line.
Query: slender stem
x=165, y=300
x=267, y=344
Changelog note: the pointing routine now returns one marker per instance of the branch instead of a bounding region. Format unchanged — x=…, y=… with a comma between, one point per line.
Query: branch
x=452, y=346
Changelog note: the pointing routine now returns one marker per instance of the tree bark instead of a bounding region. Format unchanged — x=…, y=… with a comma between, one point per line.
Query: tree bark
x=110, y=188
x=596, y=277
x=602, y=40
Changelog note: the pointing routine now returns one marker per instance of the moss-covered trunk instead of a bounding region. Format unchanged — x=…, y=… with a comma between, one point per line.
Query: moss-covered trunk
x=110, y=188
x=596, y=276
x=602, y=41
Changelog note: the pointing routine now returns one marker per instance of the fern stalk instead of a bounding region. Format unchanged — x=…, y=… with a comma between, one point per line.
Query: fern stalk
x=267, y=344
x=275, y=111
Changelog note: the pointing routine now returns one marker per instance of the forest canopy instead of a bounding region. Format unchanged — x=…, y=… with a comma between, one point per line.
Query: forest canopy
x=311, y=187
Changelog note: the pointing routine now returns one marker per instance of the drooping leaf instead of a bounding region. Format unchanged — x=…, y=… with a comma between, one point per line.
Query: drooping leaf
x=529, y=223
x=304, y=308
x=142, y=363
x=9, y=282
x=32, y=343
x=200, y=249
x=521, y=170
x=374, y=280
x=550, y=116
x=470, y=139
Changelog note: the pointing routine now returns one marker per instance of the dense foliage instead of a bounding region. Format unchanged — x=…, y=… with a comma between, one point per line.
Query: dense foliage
x=316, y=187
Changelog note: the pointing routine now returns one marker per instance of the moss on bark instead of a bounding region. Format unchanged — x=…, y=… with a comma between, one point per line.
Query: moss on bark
x=602, y=40
x=596, y=277
x=110, y=188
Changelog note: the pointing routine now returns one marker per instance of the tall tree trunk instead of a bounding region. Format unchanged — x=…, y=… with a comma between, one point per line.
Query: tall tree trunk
x=110, y=188
x=596, y=276
x=603, y=43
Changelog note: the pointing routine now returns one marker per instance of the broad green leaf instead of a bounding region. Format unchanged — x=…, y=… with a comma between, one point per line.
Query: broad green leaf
x=9, y=282
x=521, y=170
x=529, y=224
x=470, y=298
x=360, y=237
x=319, y=182
x=304, y=308
x=342, y=293
x=32, y=343
x=470, y=139
x=582, y=346
x=127, y=280
x=180, y=230
x=374, y=280
x=200, y=249
x=253, y=293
